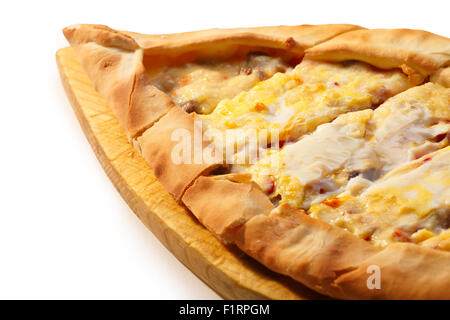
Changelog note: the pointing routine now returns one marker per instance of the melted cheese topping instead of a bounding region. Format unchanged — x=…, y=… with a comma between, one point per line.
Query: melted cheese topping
x=200, y=86
x=296, y=102
x=351, y=166
x=410, y=204
x=364, y=145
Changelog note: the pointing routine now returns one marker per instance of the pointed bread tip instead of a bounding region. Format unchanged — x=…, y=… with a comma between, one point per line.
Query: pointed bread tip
x=69, y=31
x=102, y=35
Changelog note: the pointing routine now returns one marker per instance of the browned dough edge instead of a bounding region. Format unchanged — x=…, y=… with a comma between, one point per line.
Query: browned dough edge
x=321, y=256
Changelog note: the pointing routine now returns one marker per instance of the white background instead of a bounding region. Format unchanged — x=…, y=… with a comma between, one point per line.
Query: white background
x=64, y=230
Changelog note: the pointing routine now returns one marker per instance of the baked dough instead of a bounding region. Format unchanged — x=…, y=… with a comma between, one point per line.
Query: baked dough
x=233, y=204
x=415, y=51
x=116, y=61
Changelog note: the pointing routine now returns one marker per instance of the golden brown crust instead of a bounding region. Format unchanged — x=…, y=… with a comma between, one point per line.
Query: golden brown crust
x=116, y=61
x=222, y=205
x=162, y=146
x=422, y=51
x=113, y=61
x=407, y=271
x=442, y=77
x=311, y=251
x=290, y=38
x=84, y=33
x=324, y=257
x=336, y=263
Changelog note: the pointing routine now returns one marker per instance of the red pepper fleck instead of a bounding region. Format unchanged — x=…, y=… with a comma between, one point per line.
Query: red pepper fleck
x=401, y=235
x=184, y=80
x=259, y=106
x=270, y=185
x=333, y=202
x=299, y=81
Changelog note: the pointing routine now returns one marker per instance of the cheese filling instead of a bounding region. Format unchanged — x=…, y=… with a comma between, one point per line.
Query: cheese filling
x=200, y=86
x=296, y=102
x=353, y=163
x=381, y=173
x=364, y=144
x=410, y=204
